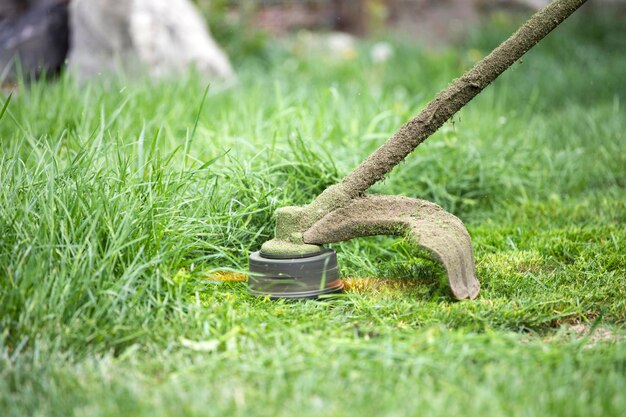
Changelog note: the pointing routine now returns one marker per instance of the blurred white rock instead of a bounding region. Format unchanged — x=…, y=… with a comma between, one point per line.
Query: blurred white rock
x=162, y=38
x=330, y=46
x=340, y=45
x=381, y=52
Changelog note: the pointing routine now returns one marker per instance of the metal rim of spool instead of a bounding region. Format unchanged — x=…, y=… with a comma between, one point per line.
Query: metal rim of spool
x=297, y=276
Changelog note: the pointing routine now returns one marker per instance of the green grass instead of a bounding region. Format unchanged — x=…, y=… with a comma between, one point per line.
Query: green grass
x=118, y=202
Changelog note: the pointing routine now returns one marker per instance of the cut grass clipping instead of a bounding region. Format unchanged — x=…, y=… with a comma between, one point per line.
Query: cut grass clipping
x=114, y=218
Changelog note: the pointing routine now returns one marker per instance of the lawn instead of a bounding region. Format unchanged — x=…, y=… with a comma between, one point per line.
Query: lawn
x=127, y=210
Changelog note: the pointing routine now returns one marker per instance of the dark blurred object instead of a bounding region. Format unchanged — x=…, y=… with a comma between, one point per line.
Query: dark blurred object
x=11, y=8
x=34, y=38
x=350, y=16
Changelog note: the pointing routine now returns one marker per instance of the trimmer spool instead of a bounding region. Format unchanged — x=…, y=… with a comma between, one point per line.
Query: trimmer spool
x=294, y=276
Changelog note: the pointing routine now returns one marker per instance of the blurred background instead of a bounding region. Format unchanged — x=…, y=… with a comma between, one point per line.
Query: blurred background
x=166, y=37
x=429, y=20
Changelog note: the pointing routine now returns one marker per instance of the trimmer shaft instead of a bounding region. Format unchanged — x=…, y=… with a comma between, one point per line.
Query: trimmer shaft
x=294, y=276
